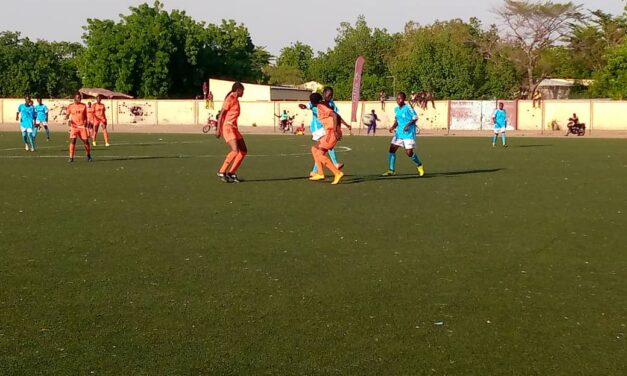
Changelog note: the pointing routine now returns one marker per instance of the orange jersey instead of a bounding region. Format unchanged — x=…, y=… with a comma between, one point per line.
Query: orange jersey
x=77, y=113
x=100, y=111
x=231, y=110
x=90, y=114
x=325, y=115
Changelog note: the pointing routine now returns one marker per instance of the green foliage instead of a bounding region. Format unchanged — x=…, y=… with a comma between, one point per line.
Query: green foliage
x=283, y=75
x=40, y=68
x=336, y=66
x=297, y=56
x=153, y=53
x=611, y=82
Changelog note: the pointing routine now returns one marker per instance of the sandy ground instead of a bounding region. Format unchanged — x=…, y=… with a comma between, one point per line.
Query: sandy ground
x=190, y=129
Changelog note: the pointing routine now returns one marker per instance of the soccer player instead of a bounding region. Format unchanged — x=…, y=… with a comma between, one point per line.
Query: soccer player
x=41, y=118
x=227, y=127
x=404, y=129
x=90, y=121
x=26, y=116
x=100, y=120
x=500, y=125
x=77, y=115
x=331, y=121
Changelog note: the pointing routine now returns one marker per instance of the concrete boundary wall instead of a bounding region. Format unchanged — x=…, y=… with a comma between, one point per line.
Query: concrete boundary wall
x=447, y=115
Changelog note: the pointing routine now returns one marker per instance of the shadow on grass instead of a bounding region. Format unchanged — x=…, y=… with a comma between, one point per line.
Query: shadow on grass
x=428, y=175
x=354, y=179
x=138, y=158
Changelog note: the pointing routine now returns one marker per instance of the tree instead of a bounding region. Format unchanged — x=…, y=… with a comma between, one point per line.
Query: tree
x=336, y=66
x=452, y=59
x=153, y=53
x=591, y=40
x=298, y=56
x=534, y=27
x=41, y=68
x=612, y=80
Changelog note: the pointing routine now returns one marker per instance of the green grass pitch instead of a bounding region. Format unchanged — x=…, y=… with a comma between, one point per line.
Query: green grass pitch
x=499, y=261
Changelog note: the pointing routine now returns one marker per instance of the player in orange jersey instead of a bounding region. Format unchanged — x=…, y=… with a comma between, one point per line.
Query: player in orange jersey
x=227, y=128
x=100, y=120
x=331, y=121
x=77, y=115
x=90, y=120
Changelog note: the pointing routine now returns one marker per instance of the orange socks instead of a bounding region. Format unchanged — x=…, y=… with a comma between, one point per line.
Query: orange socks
x=227, y=161
x=237, y=162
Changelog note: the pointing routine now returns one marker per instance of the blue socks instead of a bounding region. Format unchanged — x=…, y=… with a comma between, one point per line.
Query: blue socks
x=503, y=137
x=416, y=159
x=494, y=139
x=331, y=155
x=391, y=161
x=47, y=132
x=31, y=137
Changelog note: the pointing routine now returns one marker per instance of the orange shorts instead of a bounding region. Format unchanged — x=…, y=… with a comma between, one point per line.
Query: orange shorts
x=79, y=132
x=329, y=141
x=231, y=133
x=100, y=123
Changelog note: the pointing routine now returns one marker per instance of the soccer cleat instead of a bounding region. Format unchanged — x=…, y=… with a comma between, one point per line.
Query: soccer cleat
x=389, y=173
x=224, y=177
x=493, y=145
x=312, y=174
x=317, y=177
x=107, y=144
x=93, y=143
x=89, y=159
x=337, y=178
x=421, y=170
x=233, y=178
x=70, y=160
x=505, y=145
x=339, y=166
x=27, y=148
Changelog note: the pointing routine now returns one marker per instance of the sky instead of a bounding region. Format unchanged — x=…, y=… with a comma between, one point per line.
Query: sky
x=273, y=24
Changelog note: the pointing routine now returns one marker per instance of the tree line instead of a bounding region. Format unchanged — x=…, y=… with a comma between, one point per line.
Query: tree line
x=152, y=53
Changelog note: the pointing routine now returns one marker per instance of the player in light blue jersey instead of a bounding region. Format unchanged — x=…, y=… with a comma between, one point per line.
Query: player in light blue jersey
x=500, y=125
x=317, y=130
x=26, y=116
x=41, y=118
x=404, y=130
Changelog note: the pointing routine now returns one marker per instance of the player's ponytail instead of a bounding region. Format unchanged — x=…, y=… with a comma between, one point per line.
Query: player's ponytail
x=236, y=86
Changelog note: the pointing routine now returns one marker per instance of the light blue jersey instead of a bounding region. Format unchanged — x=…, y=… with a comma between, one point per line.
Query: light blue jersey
x=42, y=112
x=500, y=119
x=331, y=104
x=315, y=123
x=405, y=115
x=27, y=115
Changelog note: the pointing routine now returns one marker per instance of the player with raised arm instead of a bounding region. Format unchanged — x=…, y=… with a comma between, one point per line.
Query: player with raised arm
x=404, y=129
x=76, y=113
x=227, y=128
x=26, y=116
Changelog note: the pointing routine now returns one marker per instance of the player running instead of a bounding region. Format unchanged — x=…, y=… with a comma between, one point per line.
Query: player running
x=77, y=115
x=41, y=117
x=227, y=127
x=500, y=125
x=100, y=120
x=26, y=116
x=404, y=129
x=331, y=122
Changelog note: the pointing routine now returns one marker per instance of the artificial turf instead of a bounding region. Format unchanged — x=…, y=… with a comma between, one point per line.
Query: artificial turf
x=498, y=261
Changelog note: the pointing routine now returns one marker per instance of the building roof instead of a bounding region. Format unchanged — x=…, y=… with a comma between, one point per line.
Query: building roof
x=90, y=92
x=563, y=82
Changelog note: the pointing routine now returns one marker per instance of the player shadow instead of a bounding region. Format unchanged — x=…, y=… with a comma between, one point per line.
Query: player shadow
x=139, y=158
x=355, y=179
x=274, y=179
x=533, y=146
